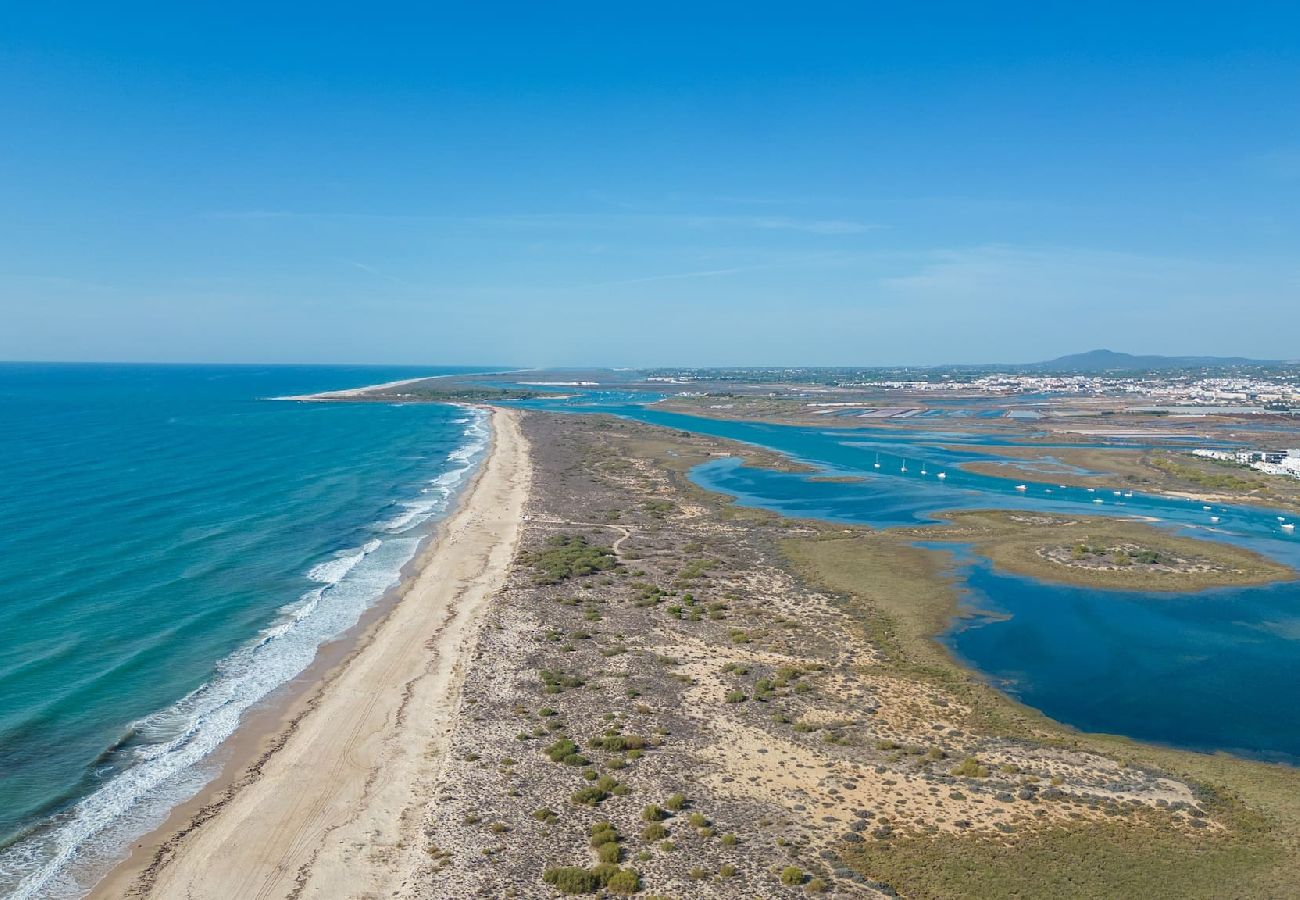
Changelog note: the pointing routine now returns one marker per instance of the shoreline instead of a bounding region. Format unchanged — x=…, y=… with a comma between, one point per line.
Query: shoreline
x=363, y=390
x=275, y=797
x=353, y=393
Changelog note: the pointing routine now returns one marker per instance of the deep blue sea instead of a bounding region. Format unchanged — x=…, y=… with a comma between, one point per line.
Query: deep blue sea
x=174, y=547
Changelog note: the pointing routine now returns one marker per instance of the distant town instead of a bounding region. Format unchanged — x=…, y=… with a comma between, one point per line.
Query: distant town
x=1270, y=462
x=1275, y=390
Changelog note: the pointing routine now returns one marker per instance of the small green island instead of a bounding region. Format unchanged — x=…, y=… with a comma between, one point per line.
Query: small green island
x=1094, y=551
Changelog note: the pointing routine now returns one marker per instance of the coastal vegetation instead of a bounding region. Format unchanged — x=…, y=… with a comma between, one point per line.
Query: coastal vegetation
x=901, y=598
x=570, y=556
x=452, y=393
x=1155, y=471
x=1094, y=551
x=737, y=703
x=1215, y=481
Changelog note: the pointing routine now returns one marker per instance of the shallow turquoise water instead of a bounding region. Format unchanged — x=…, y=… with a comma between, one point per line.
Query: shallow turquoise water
x=174, y=547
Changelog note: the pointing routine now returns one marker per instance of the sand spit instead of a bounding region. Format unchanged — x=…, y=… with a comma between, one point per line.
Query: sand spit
x=639, y=687
x=354, y=393
x=334, y=806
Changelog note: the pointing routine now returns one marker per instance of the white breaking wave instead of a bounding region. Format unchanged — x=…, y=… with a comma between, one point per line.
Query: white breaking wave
x=333, y=571
x=434, y=499
x=165, y=751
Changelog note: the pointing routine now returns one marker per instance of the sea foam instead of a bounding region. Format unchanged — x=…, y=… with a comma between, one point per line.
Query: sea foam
x=164, y=758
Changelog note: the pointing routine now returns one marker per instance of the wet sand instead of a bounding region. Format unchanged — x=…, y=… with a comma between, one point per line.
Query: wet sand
x=331, y=801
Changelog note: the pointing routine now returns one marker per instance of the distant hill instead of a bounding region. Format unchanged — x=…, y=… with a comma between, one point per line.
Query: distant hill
x=1111, y=361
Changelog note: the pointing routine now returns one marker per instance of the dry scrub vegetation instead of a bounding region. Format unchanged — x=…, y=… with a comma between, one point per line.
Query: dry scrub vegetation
x=675, y=697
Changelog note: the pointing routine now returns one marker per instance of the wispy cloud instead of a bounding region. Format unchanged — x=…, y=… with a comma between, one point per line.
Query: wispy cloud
x=384, y=276
x=1039, y=293
x=676, y=220
x=788, y=263
x=578, y=221
x=680, y=276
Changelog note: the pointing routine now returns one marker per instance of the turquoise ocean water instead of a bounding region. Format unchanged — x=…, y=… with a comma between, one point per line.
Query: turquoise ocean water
x=173, y=547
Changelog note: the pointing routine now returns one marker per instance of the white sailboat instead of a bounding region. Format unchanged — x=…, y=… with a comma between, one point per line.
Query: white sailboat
x=1022, y=487
x=1287, y=526
x=877, y=460
x=941, y=476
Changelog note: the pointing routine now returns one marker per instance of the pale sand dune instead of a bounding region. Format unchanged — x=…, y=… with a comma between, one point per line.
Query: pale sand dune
x=335, y=811
x=353, y=393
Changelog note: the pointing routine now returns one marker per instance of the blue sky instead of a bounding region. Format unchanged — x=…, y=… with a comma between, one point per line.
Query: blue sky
x=648, y=184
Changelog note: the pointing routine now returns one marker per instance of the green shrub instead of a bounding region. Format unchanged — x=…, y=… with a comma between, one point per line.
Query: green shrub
x=609, y=853
x=565, y=751
x=570, y=556
x=589, y=796
x=555, y=682
x=653, y=813
x=617, y=743
x=792, y=876
x=545, y=815
x=726, y=870
x=817, y=886
x=970, y=768
x=729, y=840
x=603, y=833
x=571, y=880
x=604, y=872
x=655, y=831
x=624, y=881
x=676, y=802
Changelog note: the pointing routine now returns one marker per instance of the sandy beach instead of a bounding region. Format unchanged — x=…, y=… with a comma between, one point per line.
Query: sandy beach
x=353, y=393
x=332, y=805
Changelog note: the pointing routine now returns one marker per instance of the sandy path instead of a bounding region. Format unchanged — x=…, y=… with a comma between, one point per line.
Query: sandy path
x=336, y=809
